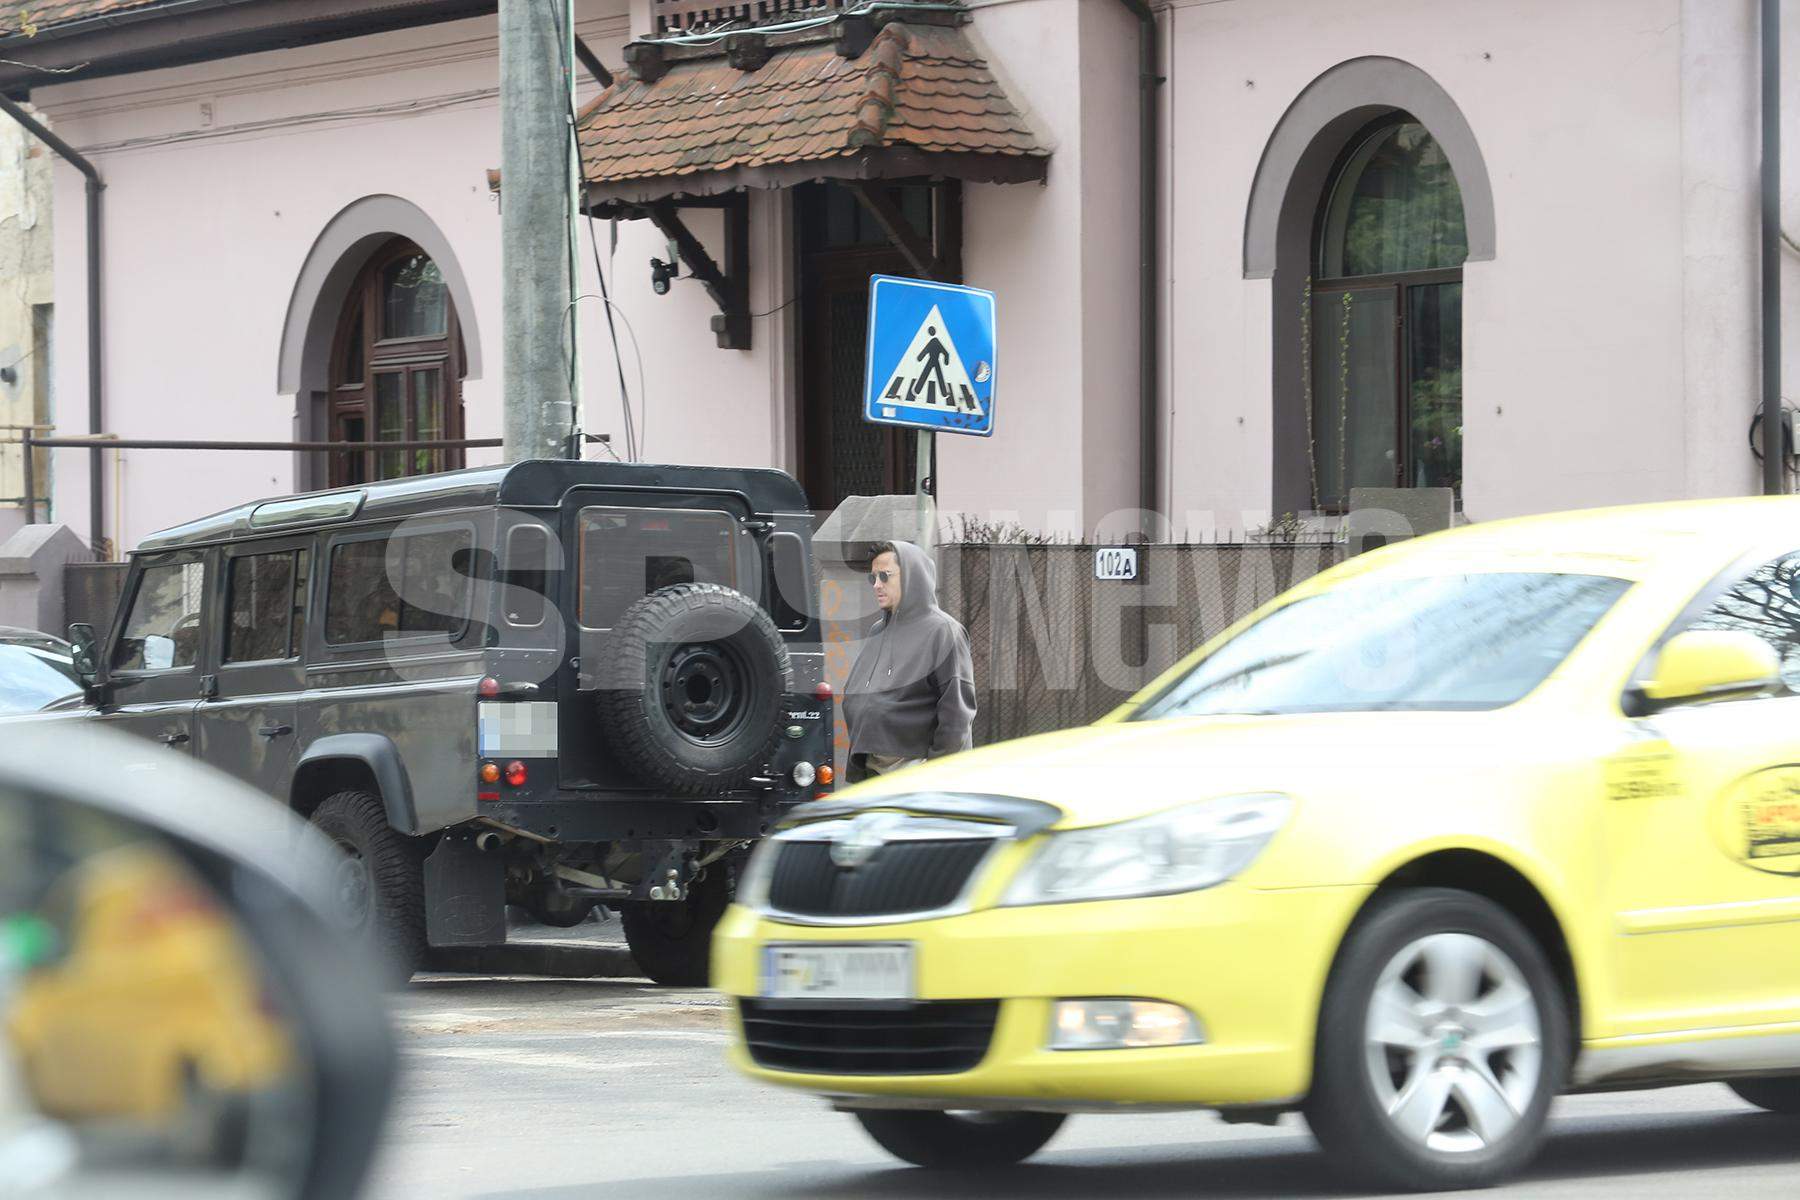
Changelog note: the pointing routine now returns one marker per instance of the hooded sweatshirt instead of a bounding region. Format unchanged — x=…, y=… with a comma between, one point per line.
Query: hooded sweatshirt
x=911, y=693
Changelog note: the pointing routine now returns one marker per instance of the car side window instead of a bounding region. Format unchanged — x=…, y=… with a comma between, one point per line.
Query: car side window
x=162, y=630
x=1765, y=603
x=528, y=569
x=266, y=606
x=427, y=591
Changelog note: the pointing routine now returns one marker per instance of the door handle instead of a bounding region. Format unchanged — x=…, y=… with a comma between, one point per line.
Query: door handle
x=275, y=731
x=174, y=739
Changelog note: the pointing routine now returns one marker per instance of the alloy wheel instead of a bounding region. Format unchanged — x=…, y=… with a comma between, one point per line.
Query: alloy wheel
x=1454, y=1043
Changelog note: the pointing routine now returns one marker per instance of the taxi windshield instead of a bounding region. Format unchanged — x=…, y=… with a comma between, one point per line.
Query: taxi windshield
x=1462, y=641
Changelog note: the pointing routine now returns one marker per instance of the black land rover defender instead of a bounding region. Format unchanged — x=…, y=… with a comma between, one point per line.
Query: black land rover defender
x=551, y=684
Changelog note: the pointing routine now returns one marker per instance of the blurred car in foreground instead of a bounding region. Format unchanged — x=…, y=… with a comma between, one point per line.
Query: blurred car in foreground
x=1439, y=834
x=36, y=670
x=180, y=1013
x=156, y=1010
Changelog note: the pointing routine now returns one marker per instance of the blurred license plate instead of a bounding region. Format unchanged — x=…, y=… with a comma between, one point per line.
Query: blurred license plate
x=812, y=972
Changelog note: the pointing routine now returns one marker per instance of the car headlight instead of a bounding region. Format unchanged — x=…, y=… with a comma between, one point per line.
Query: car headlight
x=1179, y=850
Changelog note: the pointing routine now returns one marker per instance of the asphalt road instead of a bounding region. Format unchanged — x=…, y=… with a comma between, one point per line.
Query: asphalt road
x=568, y=1090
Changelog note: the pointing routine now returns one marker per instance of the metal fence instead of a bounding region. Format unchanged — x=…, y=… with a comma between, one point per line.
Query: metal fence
x=1054, y=647
x=675, y=16
x=91, y=593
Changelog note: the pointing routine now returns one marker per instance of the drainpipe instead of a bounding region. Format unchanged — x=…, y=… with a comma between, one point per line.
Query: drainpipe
x=1774, y=458
x=1149, y=460
x=96, y=411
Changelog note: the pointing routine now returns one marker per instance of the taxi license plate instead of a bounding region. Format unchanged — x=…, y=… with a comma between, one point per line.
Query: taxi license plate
x=815, y=972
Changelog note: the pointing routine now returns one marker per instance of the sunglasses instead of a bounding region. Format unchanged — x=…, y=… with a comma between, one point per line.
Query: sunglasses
x=882, y=576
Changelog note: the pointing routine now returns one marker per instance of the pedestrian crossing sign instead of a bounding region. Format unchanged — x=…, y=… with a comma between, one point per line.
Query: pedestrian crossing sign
x=930, y=362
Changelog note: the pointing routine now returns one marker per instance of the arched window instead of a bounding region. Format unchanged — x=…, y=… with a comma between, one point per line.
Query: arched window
x=1385, y=317
x=396, y=368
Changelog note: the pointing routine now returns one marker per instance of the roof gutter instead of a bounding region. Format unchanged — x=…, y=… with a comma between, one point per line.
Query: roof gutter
x=1774, y=451
x=1149, y=170
x=130, y=16
x=96, y=409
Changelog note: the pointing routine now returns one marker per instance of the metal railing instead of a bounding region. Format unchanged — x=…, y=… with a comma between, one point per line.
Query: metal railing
x=30, y=499
x=110, y=442
x=678, y=16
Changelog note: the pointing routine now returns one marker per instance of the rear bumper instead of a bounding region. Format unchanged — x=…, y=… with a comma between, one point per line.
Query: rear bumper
x=600, y=817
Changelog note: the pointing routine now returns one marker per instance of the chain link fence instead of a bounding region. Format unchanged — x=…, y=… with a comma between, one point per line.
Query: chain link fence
x=1054, y=647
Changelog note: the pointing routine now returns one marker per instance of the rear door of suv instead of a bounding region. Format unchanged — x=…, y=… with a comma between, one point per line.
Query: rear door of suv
x=247, y=726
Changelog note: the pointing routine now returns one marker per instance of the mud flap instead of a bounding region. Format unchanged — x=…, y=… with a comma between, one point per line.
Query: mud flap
x=465, y=894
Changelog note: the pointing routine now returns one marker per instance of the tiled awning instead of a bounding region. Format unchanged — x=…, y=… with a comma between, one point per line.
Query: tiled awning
x=753, y=111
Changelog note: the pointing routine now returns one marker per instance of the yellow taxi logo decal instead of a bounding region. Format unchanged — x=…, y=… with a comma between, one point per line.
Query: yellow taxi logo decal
x=1757, y=820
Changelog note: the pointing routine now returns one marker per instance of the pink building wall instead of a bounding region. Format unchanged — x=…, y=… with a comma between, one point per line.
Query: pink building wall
x=1609, y=345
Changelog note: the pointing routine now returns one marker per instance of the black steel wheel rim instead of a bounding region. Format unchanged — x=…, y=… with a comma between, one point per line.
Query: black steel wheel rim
x=706, y=691
x=354, y=886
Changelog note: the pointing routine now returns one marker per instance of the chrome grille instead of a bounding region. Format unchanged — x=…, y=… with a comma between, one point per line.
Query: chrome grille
x=905, y=877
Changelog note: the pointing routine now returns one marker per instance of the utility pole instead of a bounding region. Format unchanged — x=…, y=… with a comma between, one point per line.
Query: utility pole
x=1774, y=444
x=535, y=224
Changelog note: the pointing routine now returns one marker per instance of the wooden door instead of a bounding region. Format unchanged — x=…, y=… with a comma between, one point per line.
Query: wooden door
x=840, y=453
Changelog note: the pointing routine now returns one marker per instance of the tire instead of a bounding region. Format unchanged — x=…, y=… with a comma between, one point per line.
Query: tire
x=1443, y=1011
x=388, y=912
x=692, y=684
x=1780, y=1095
x=672, y=940
x=951, y=1141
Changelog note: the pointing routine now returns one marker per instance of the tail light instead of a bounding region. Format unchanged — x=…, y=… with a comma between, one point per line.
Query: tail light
x=489, y=688
x=823, y=691
x=515, y=774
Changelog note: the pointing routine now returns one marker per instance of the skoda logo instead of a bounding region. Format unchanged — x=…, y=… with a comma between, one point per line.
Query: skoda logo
x=858, y=842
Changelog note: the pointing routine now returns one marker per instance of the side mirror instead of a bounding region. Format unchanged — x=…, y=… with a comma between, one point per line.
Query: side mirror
x=259, y=1065
x=86, y=644
x=1709, y=664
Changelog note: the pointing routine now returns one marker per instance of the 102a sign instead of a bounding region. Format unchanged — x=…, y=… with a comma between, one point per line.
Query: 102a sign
x=1116, y=562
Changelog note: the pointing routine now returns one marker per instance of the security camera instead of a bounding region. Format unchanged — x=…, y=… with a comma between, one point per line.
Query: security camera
x=660, y=274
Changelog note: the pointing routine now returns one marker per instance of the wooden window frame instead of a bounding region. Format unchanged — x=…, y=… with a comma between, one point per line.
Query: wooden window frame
x=351, y=400
x=1395, y=281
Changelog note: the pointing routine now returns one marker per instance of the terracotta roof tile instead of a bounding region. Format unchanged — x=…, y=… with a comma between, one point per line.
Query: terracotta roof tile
x=917, y=87
x=31, y=17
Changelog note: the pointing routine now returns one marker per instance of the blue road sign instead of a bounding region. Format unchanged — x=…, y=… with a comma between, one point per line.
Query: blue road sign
x=930, y=362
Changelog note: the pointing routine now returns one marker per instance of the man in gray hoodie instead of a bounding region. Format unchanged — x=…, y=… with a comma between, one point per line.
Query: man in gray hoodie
x=911, y=694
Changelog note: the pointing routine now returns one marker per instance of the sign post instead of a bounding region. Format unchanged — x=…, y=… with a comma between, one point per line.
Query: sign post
x=930, y=365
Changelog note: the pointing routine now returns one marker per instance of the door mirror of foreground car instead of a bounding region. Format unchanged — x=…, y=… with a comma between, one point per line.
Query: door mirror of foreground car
x=1708, y=664
x=85, y=644
x=179, y=1015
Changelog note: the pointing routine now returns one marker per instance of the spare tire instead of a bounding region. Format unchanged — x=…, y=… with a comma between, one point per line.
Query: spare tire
x=692, y=686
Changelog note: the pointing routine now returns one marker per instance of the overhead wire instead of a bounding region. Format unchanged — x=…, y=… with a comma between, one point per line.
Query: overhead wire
x=636, y=351
x=634, y=429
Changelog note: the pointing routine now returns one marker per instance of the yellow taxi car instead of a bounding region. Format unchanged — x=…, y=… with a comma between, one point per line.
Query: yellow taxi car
x=1447, y=830
x=156, y=1008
